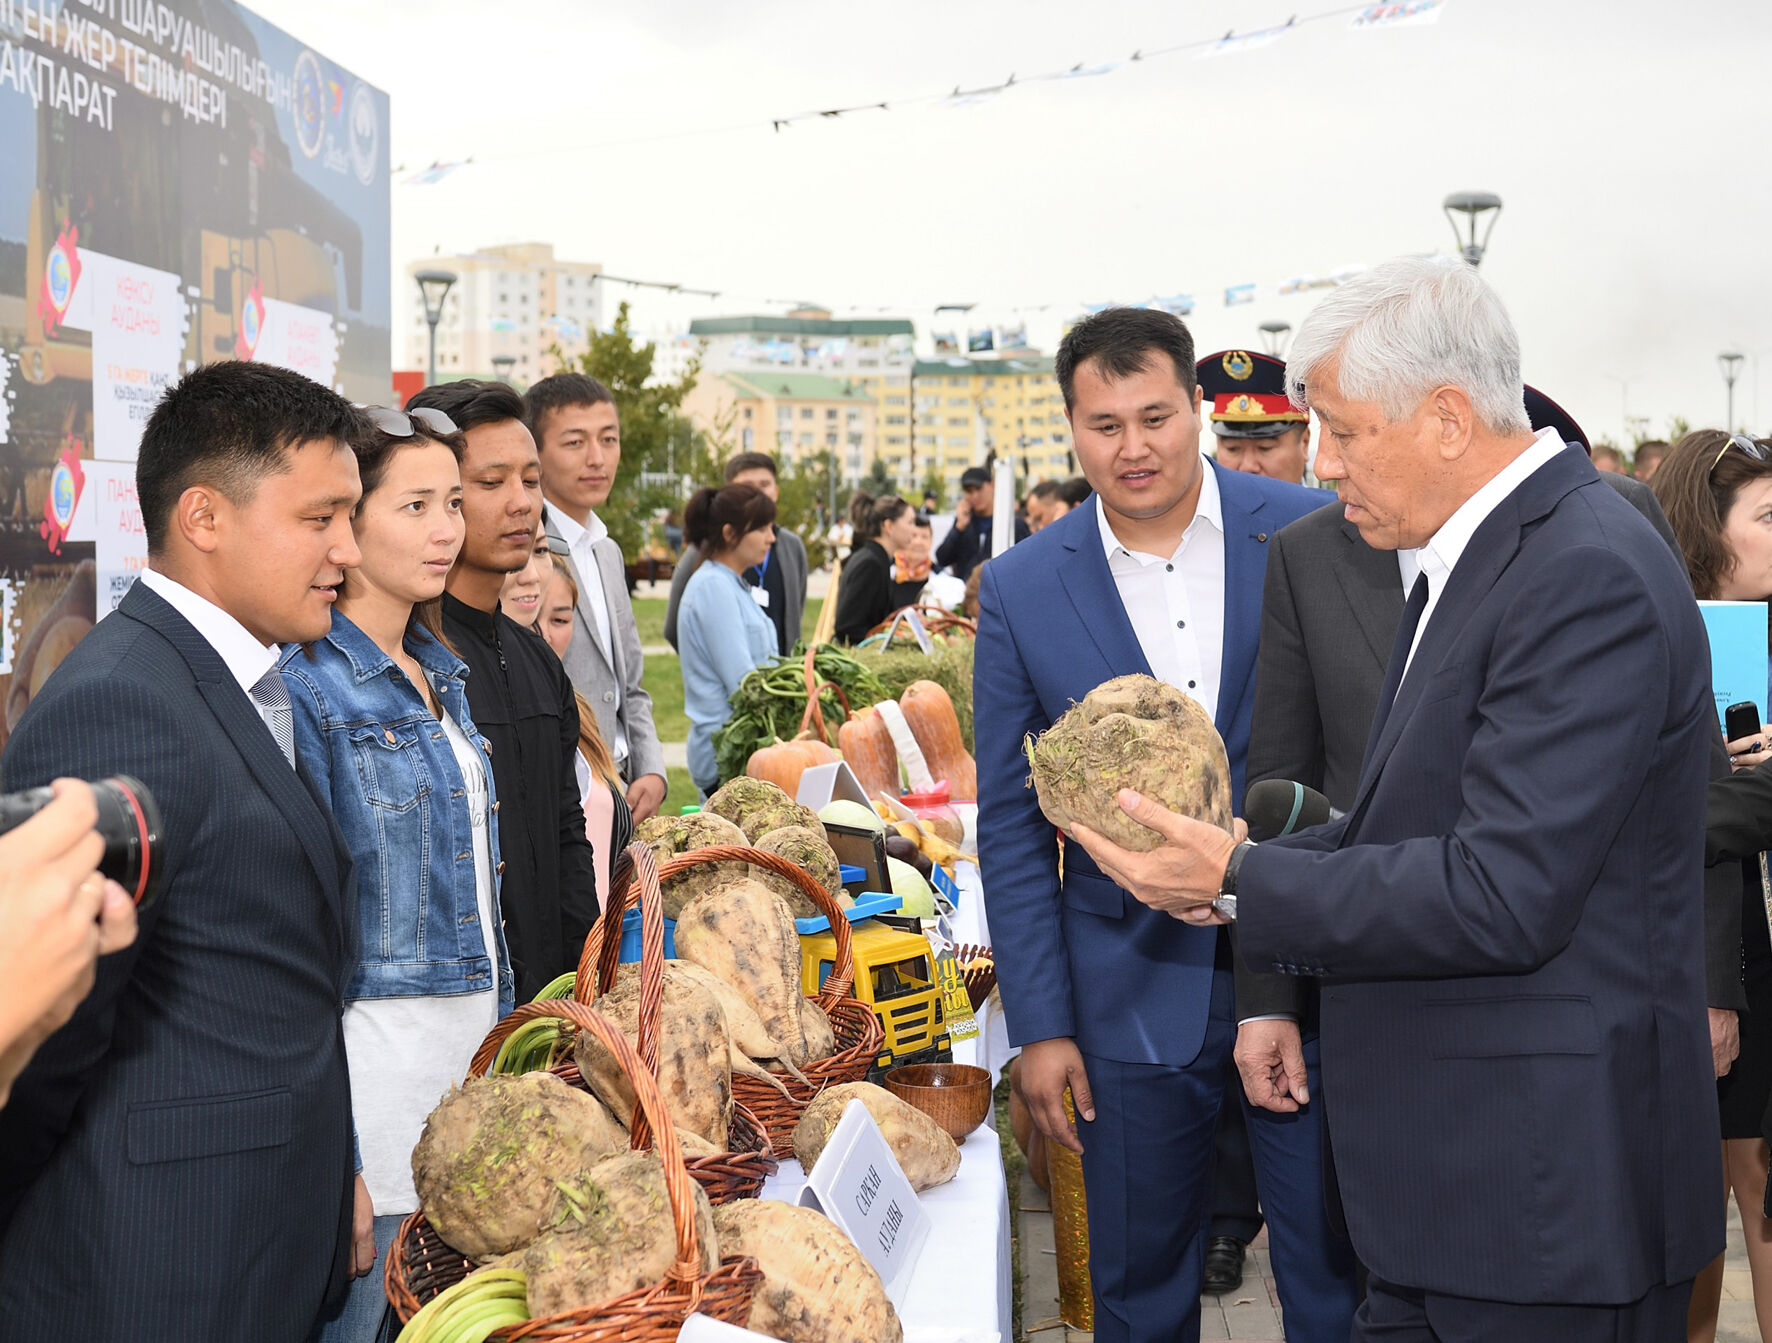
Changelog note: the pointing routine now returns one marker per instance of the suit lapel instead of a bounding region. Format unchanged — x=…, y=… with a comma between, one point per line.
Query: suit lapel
x=247, y=731
x=587, y=613
x=1090, y=585
x=1245, y=571
x=1374, y=587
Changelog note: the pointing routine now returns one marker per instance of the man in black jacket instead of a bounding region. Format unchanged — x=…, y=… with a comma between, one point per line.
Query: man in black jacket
x=517, y=689
x=968, y=545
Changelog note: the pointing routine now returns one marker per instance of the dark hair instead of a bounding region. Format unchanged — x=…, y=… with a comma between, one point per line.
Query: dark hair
x=558, y=392
x=1120, y=341
x=1697, y=496
x=921, y=523
x=744, y=508
x=869, y=515
x=1047, y=489
x=1650, y=448
x=750, y=461
x=1074, y=490
x=471, y=402
x=375, y=451
x=230, y=425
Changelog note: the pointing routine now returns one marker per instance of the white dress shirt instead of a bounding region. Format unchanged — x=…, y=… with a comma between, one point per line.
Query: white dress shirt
x=247, y=660
x=1176, y=602
x=1441, y=554
x=579, y=541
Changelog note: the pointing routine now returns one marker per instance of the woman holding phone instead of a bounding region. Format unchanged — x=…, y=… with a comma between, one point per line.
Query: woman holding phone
x=382, y=724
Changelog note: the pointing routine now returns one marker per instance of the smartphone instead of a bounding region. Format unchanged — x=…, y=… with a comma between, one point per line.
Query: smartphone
x=1741, y=720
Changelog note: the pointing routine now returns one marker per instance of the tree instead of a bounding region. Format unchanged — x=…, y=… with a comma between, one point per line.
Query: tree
x=935, y=483
x=879, y=480
x=654, y=430
x=1678, y=427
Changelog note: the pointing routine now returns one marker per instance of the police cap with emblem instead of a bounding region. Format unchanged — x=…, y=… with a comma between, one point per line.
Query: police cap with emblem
x=1247, y=392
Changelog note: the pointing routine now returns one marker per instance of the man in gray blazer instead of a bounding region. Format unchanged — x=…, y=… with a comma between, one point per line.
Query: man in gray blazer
x=578, y=434
x=781, y=577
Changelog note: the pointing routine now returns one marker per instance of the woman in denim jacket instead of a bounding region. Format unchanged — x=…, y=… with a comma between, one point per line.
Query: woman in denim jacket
x=382, y=722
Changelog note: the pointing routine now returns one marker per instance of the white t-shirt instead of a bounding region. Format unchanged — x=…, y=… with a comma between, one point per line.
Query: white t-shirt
x=404, y=1053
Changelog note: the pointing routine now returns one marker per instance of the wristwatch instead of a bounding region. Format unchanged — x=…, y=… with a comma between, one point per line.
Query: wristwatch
x=1226, y=904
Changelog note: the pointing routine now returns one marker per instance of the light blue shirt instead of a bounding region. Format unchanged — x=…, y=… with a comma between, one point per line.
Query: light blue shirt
x=721, y=634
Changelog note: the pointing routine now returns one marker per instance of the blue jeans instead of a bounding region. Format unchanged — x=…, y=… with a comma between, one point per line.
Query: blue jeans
x=364, y=1316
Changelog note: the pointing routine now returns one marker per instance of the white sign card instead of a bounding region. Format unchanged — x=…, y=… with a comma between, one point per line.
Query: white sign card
x=859, y=1185
x=699, y=1328
x=138, y=318
x=298, y=338
x=121, y=552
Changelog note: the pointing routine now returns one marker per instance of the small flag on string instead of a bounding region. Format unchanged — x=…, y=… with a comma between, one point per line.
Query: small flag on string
x=1012, y=337
x=1238, y=294
x=502, y=324
x=946, y=342
x=980, y=341
x=427, y=177
x=1179, y=304
x=1235, y=42
x=1093, y=308
x=1399, y=13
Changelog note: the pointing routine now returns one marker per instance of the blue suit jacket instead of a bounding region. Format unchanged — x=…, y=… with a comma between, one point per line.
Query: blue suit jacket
x=1509, y=923
x=176, y=1161
x=1078, y=957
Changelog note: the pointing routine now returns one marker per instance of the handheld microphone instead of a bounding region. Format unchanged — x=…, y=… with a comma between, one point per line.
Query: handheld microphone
x=1276, y=807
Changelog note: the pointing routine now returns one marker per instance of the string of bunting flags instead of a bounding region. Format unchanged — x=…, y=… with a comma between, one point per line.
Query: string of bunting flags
x=1362, y=18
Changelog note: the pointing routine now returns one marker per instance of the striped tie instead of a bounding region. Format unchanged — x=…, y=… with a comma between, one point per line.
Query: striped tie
x=272, y=698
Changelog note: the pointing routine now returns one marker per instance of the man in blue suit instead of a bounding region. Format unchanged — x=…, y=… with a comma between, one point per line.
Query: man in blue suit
x=1161, y=574
x=176, y=1161
x=1508, y=924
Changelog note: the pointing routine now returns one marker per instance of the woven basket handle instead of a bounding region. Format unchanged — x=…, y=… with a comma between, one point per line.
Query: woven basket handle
x=843, y=969
x=638, y=869
x=686, y=1272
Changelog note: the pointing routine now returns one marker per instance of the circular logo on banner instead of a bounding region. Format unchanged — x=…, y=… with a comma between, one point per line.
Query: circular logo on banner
x=310, y=103
x=249, y=322
x=365, y=128
x=61, y=278
x=64, y=492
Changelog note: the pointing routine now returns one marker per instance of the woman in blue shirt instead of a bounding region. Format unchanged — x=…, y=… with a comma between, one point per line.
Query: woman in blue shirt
x=722, y=630
x=382, y=724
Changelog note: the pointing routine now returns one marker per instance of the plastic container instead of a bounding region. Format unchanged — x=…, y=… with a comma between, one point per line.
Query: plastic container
x=630, y=938
x=867, y=904
x=855, y=879
x=687, y=811
x=931, y=806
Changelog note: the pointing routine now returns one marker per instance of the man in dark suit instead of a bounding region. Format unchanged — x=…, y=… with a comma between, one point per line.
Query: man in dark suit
x=176, y=1161
x=1513, y=997
x=1161, y=574
x=1329, y=615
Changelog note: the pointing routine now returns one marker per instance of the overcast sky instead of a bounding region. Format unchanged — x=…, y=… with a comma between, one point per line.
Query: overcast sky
x=1628, y=139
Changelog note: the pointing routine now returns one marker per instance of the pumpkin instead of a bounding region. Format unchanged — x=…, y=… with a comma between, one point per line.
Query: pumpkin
x=783, y=763
x=867, y=747
x=930, y=714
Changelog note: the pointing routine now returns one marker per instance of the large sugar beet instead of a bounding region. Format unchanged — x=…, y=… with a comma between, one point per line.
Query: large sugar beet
x=501, y=1159
x=806, y=846
x=757, y=806
x=1131, y=732
x=923, y=1148
x=618, y=1239
x=669, y=836
x=743, y=932
x=694, y=1054
x=817, y=1287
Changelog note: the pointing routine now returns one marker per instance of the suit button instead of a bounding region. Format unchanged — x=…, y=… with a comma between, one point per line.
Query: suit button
x=609, y=697
x=1261, y=536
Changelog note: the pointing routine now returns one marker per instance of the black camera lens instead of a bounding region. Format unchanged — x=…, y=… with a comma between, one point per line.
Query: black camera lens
x=128, y=821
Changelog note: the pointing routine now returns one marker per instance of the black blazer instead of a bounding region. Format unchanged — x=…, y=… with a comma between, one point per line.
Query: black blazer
x=1329, y=615
x=176, y=1161
x=864, y=595
x=1513, y=985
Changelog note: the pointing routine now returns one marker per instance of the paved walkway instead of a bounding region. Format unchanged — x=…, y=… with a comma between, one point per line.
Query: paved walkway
x=1253, y=1313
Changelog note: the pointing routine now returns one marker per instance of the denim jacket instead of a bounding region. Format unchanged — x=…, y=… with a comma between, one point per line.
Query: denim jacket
x=398, y=794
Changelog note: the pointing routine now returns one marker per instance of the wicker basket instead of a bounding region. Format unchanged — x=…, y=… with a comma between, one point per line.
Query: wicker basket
x=857, y=1029
x=733, y=1174
x=420, y=1266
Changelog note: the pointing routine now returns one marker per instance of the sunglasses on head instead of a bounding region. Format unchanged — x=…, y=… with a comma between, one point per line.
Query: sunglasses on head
x=400, y=423
x=1757, y=451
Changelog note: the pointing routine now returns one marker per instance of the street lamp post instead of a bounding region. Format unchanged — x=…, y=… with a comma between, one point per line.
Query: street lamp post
x=1473, y=205
x=1273, y=336
x=433, y=286
x=1730, y=363
x=502, y=364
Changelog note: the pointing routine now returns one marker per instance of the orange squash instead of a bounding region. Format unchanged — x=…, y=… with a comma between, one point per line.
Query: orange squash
x=783, y=763
x=867, y=747
x=936, y=727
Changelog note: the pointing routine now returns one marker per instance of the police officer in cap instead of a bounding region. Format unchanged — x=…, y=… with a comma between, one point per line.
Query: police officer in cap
x=1258, y=429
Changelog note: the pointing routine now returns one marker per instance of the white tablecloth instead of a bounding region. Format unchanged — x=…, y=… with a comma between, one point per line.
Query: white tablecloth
x=991, y=1048
x=960, y=1289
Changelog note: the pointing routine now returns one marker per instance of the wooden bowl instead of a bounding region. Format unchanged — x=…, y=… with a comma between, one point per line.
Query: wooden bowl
x=955, y=1095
